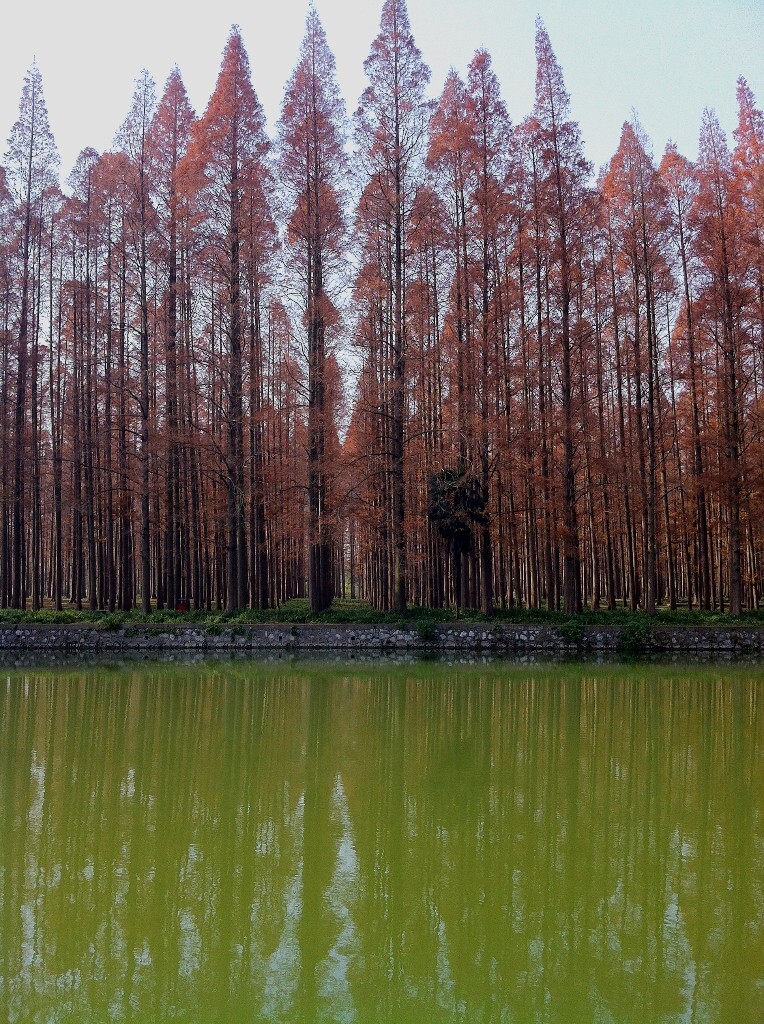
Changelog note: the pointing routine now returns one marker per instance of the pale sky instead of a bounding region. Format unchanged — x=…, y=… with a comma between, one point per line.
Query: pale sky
x=666, y=59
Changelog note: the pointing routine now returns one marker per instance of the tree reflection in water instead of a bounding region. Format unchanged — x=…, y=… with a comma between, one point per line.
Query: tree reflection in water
x=236, y=842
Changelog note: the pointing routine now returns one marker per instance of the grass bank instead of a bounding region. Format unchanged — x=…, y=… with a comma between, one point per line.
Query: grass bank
x=296, y=612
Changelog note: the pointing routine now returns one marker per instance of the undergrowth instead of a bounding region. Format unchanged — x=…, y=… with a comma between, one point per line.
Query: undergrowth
x=296, y=612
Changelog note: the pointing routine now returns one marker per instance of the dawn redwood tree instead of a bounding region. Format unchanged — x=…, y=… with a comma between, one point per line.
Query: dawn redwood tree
x=84, y=241
x=533, y=258
x=638, y=205
x=598, y=466
x=133, y=140
x=259, y=249
x=227, y=155
x=367, y=443
x=491, y=153
x=467, y=156
x=114, y=196
x=452, y=173
x=448, y=161
x=622, y=453
x=31, y=163
x=55, y=257
x=312, y=172
x=8, y=279
x=7, y=308
x=569, y=353
x=108, y=194
x=72, y=307
x=432, y=443
x=391, y=133
x=748, y=167
x=720, y=223
x=564, y=174
x=680, y=184
x=169, y=136
x=285, y=433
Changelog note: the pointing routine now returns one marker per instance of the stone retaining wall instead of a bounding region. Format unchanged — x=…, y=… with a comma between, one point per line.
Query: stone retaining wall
x=493, y=639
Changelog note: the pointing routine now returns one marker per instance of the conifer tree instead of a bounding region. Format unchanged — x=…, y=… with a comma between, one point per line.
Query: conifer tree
x=312, y=171
x=228, y=154
x=565, y=172
x=31, y=162
x=170, y=133
x=133, y=140
x=720, y=222
x=391, y=131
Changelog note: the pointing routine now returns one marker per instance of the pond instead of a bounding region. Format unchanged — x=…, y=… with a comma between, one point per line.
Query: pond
x=298, y=842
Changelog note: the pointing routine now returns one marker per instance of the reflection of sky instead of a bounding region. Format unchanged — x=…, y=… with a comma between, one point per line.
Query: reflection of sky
x=30, y=938
x=281, y=968
x=334, y=983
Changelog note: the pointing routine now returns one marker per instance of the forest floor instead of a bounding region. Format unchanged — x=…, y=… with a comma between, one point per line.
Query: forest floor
x=359, y=613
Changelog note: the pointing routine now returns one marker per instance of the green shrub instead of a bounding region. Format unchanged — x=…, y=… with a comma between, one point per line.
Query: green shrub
x=427, y=632
x=572, y=631
x=634, y=637
x=112, y=621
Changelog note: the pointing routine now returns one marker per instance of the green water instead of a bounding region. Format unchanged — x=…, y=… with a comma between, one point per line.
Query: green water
x=407, y=844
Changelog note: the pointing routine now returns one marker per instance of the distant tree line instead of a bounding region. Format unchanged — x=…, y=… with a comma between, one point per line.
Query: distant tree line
x=420, y=355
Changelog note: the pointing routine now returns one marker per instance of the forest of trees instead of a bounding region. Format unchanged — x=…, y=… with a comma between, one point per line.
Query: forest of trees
x=417, y=356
